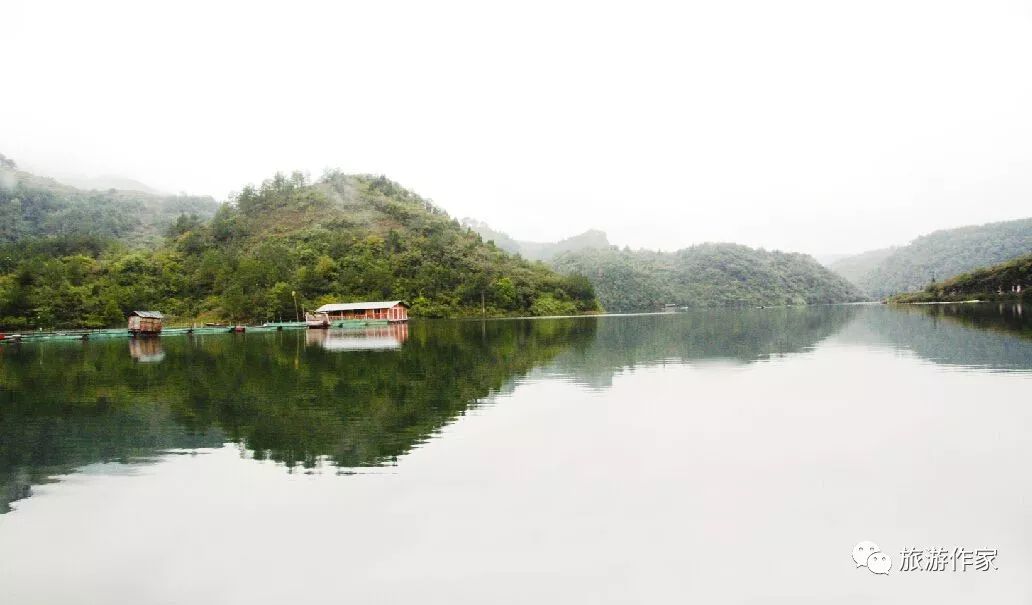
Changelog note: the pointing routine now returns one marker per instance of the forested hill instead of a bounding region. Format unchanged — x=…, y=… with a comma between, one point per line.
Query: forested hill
x=936, y=256
x=1011, y=280
x=543, y=251
x=340, y=238
x=34, y=206
x=706, y=275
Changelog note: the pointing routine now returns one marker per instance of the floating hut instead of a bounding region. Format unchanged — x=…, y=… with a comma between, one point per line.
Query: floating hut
x=386, y=311
x=145, y=322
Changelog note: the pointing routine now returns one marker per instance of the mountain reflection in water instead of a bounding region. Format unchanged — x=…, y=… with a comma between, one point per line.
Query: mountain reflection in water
x=364, y=398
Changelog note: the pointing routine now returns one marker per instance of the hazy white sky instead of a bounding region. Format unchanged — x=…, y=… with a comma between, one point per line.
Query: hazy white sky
x=813, y=126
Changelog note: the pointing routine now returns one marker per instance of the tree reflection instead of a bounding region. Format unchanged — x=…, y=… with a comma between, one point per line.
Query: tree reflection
x=286, y=396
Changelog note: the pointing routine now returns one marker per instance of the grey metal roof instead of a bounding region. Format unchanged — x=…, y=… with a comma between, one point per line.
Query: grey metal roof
x=148, y=314
x=359, y=306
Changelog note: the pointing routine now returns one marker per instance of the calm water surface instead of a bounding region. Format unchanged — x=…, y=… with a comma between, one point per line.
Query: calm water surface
x=712, y=456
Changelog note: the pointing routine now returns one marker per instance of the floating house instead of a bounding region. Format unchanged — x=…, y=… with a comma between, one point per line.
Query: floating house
x=380, y=311
x=145, y=322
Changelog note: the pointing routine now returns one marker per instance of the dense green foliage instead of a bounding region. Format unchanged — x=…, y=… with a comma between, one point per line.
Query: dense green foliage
x=543, y=251
x=1011, y=280
x=706, y=275
x=342, y=238
x=32, y=207
x=937, y=256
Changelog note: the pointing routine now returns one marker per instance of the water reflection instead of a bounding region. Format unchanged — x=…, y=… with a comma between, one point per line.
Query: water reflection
x=737, y=336
x=62, y=407
x=293, y=398
x=377, y=338
x=983, y=336
x=146, y=350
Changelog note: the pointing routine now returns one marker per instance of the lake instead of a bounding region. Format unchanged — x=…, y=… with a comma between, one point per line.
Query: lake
x=719, y=456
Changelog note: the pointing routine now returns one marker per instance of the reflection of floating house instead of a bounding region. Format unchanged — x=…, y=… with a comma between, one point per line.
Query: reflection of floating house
x=379, y=338
x=146, y=350
x=341, y=314
x=145, y=322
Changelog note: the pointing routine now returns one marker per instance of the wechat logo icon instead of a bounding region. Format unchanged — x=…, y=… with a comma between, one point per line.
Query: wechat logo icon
x=867, y=554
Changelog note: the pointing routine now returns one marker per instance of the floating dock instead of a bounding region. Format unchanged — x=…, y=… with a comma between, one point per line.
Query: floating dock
x=286, y=325
x=65, y=335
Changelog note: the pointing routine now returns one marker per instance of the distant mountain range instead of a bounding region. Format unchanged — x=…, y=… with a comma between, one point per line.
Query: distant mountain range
x=367, y=237
x=107, y=181
x=705, y=275
x=935, y=257
x=543, y=251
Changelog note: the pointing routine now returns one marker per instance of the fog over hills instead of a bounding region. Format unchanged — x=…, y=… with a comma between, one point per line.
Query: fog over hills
x=804, y=126
x=39, y=206
x=106, y=181
x=936, y=256
x=75, y=258
x=543, y=251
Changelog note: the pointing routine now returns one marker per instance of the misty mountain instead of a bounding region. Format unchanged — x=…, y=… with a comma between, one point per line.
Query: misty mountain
x=706, y=275
x=105, y=182
x=936, y=256
x=827, y=259
x=286, y=244
x=855, y=267
x=543, y=251
x=35, y=206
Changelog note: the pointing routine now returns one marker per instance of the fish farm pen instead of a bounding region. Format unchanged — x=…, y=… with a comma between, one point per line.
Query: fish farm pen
x=174, y=331
x=123, y=333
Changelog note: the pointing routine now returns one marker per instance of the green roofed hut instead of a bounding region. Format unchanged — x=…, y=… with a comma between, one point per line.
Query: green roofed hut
x=365, y=313
x=145, y=322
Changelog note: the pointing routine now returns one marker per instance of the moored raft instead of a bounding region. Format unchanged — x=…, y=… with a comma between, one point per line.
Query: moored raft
x=285, y=325
x=70, y=335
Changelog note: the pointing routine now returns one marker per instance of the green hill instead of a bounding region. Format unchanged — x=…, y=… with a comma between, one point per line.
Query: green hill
x=35, y=206
x=856, y=267
x=706, y=275
x=543, y=251
x=1011, y=280
x=340, y=238
x=882, y=273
